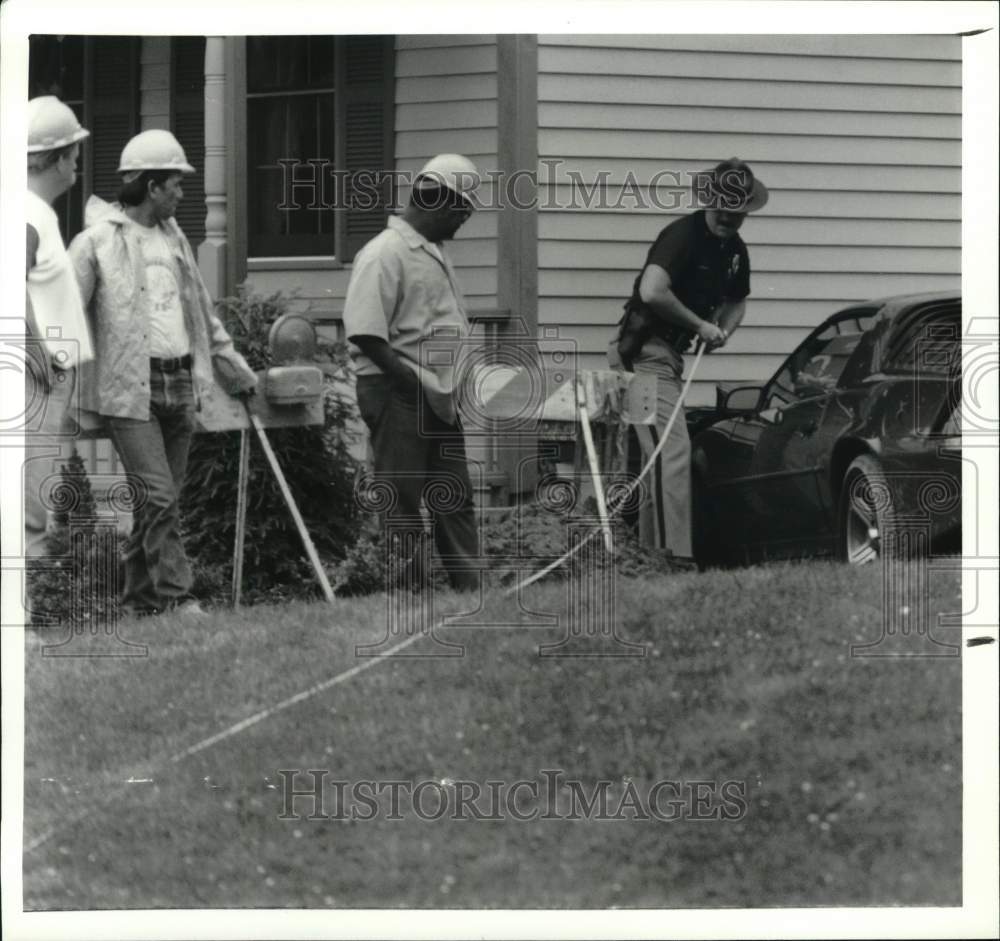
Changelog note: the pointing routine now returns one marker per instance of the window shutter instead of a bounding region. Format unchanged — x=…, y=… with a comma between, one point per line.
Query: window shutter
x=367, y=104
x=55, y=67
x=188, y=66
x=112, y=108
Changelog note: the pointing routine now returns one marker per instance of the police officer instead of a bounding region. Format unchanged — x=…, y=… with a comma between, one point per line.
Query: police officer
x=694, y=284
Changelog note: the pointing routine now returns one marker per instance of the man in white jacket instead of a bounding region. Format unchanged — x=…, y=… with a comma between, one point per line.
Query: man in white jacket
x=156, y=335
x=60, y=340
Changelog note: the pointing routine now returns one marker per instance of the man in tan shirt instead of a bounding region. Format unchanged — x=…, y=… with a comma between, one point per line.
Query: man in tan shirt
x=403, y=293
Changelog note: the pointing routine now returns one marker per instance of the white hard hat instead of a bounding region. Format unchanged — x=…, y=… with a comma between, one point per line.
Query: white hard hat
x=52, y=125
x=453, y=171
x=153, y=150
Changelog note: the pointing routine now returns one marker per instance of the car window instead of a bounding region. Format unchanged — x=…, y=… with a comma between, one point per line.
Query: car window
x=859, y=366
x=925, y=340
x=816, y=366
x=820, y=373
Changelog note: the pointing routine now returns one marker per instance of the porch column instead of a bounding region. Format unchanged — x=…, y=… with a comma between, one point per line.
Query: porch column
x=212, y=252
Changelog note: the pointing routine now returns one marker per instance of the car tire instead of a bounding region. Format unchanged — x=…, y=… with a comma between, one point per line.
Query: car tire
x=866, y=512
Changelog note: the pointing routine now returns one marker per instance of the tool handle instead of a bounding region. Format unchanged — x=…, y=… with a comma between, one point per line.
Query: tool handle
x=292, y=507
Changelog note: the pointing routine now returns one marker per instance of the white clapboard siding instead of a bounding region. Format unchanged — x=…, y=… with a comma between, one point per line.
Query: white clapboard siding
x=446, y=59
x=446, y=102
x=752, y=120
x=763, y=311
x=566, y=282
x=664, y=175
x=798, y=148
x=446, y=88
x=857, y=137
x=760, y=229
x=740, y=93
x=808, y=203
x=815, y=48
x=845, y=69
x=621, y=256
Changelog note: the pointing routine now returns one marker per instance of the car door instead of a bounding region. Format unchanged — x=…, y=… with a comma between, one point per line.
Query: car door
x=775, y=494
x=780, y=489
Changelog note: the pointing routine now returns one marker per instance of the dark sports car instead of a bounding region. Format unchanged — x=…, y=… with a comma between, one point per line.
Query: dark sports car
x=853, y=448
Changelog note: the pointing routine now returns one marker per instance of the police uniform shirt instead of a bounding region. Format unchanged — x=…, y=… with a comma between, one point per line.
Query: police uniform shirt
x=705, y=271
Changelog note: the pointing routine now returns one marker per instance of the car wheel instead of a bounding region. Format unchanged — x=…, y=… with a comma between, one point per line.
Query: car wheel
x=866, y=511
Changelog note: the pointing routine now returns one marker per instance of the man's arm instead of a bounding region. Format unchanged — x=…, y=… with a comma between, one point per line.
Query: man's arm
x=730, y=315
x=32, y=248
x=31, y=256
x=372, y=295
x=81, y=254
x=386, y=358
x=655, y=291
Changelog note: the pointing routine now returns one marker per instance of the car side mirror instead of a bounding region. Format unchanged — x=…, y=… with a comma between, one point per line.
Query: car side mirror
x=744, y=400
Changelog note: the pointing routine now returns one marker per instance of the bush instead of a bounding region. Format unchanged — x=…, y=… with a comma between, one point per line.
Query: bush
x=317, y=465
x=62, y=587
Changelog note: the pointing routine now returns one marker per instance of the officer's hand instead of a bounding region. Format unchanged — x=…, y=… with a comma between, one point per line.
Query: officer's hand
x=712, y=336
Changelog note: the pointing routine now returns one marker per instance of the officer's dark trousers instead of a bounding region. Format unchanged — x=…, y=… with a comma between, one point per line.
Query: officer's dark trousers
x=419, y=458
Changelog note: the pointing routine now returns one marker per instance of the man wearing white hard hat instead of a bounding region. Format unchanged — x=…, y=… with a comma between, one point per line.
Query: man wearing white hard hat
x=403, y=292
x=56, y=321
x=156, y=336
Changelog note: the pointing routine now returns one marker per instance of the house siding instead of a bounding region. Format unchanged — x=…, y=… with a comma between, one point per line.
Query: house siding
x=445, y=101
x=858, y=139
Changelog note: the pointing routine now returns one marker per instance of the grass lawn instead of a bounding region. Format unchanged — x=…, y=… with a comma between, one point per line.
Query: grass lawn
x=849, y=768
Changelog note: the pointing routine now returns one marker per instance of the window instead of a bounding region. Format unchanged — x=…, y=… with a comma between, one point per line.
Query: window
x=925, y=340
x=187, y=63
x=318, y=108
x=815, y=368
x=55, y=67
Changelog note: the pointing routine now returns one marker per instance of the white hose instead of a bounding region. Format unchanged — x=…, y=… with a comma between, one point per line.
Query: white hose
x=621, y=501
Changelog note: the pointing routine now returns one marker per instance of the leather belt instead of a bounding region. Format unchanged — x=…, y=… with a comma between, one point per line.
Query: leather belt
x=176, y=364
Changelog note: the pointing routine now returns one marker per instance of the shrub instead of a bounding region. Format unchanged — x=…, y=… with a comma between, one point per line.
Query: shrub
x=317, y=465
x=62, y=587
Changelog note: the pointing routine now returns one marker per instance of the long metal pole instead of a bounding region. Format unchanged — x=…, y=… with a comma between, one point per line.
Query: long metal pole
x=242, y=484
x=292, y=508
x=595, y=470
x=628, y=491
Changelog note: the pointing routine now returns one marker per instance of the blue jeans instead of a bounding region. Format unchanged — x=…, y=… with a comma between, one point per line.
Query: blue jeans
x=157, y=571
